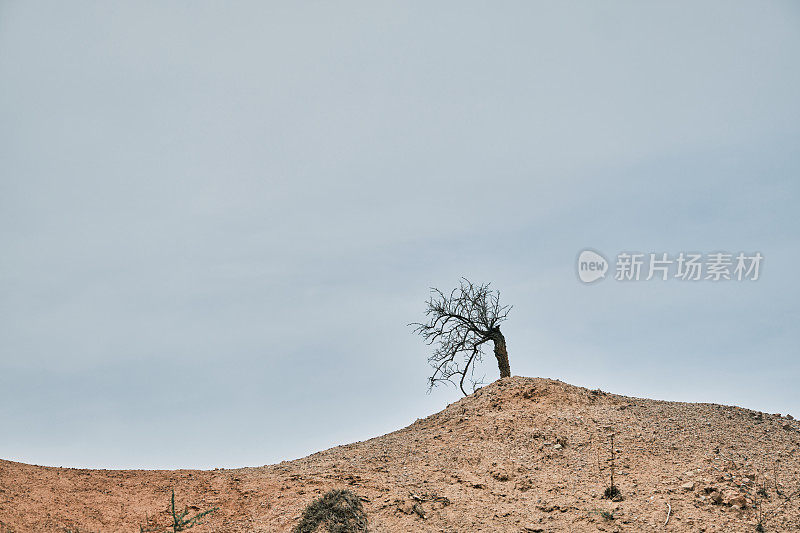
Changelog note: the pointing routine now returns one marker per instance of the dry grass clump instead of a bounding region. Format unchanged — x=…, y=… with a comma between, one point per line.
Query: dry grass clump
x=338, y=511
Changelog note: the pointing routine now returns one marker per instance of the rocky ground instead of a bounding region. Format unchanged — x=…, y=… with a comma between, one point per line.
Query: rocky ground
x=520, y=455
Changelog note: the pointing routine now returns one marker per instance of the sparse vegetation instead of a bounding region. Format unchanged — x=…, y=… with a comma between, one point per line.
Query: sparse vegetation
x=181, y=520
x=338, y=511
x=763, y=515
x=756, y=485
x=612, y=492
x=521, y=447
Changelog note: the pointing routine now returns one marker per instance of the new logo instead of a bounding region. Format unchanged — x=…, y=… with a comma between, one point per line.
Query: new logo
x=591, y=266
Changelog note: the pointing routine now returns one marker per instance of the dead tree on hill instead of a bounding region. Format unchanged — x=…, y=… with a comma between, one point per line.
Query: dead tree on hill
x=461, y=324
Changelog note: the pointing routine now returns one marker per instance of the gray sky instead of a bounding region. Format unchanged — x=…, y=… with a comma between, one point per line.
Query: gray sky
x=216, y=219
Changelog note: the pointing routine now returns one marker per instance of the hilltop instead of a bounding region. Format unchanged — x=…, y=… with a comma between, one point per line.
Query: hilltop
x=520, y=455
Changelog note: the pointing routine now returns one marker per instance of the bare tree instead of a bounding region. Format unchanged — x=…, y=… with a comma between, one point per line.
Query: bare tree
x=461, y=324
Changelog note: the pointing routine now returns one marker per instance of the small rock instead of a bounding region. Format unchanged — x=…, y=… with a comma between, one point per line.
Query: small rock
x=557, y=446
x=689, y=485
x=500, y=475
x=716, y=496
x=524, y=484
x=530, y=393
x=738, y=501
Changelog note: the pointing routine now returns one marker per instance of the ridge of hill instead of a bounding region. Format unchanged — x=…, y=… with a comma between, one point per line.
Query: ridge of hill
x=519, y=455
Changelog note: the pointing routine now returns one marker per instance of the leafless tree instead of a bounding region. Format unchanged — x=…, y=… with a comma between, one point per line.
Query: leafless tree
x=461, y=324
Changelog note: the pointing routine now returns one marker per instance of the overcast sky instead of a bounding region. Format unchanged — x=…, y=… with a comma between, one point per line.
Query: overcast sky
x=216, y=219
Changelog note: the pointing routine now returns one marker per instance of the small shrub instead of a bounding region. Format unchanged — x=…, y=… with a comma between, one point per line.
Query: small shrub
x=181, y=520
x=612, y=493
x=338, y=511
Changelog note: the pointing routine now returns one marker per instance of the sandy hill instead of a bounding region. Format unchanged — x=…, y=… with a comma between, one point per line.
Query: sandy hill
x=520, y=455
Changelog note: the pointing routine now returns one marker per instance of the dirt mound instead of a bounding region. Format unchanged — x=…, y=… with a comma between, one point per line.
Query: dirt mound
x=520, y=455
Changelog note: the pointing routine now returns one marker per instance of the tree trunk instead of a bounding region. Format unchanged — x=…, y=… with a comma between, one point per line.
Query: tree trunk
x=501, y=353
